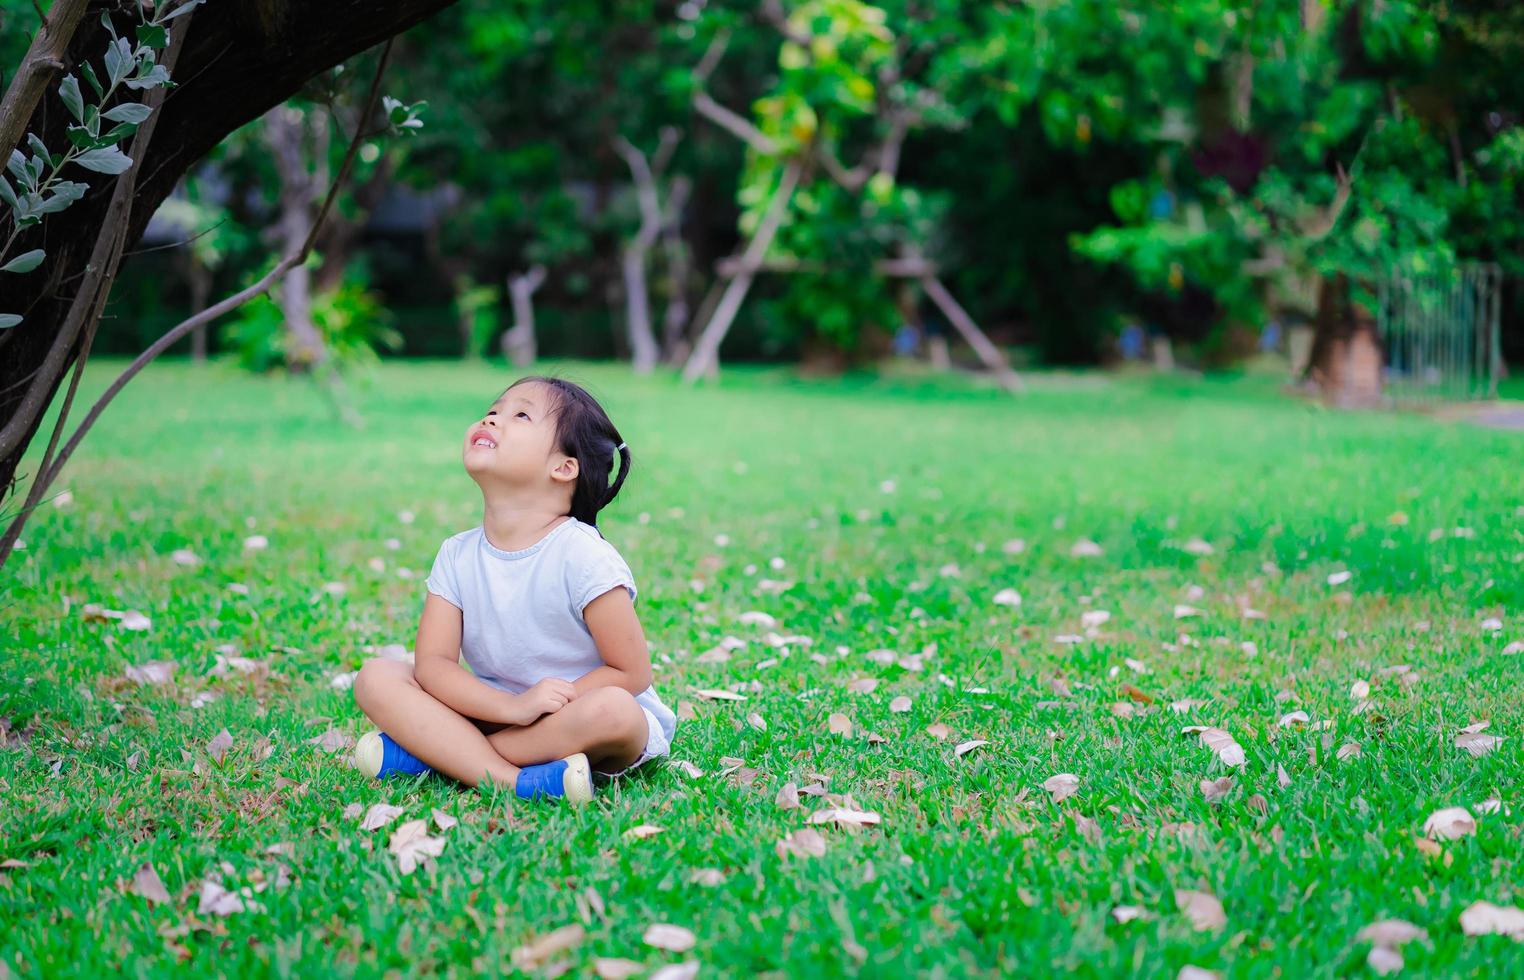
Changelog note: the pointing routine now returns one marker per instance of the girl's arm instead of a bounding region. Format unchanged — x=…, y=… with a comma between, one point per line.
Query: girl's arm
x=437, y=669
x=621, y=642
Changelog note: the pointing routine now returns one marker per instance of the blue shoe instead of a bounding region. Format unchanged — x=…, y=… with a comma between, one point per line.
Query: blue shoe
x=570, y=779
x=378, y=756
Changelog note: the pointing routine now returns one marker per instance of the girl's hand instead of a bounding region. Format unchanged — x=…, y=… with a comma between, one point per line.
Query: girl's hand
x=547, y=697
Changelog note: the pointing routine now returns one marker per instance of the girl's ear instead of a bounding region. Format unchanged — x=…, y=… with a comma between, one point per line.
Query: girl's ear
x=567, y=469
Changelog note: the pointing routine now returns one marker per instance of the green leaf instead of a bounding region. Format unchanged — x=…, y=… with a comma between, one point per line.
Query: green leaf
x=106, y=160
x=80, y=137
x=25, y=262
x=106, y=22
x=7, y=193
x=117, y=132
x=68, y=90
x=8, y=320
x=65, y=193
x=153, y=35
x=152, y=79
x=17, y=165
x=36, y=143
x=184, y=8
x=133, y=112
x=95, y=83
x=119, y=60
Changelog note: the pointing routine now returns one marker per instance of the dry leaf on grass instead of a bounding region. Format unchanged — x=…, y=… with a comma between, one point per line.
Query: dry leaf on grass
x=1486, y=919
x=676, y=971
x=1189, y=972
x=616, y=968
x=1384, y=960
x=1223, y=745
x=644, y=830
x=1390, y=932
x=331, y=741
x=146, y=882
x=805, y=842
x=674, y=939
x=152, y=672
x=715, y=695
x=218, y=747
x=1127, y=913
x=1202, y=908
x=1347, y=751
x=379, y=815
x=1007, y=597
x=788, y=796
x=938, y=731
x=964, y=748
x=442, y=820
x=1474, y=740
x=1062, y=786
x=839, y=724
x=534, y=954
x=899, y=704
x=1451, y=823
x=845, y=817
x=413, y=845
x=1216, y=789
x=707, y=877
x=863, y=685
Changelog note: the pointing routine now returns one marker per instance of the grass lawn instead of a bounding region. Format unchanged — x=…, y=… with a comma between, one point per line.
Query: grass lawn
x=878, y=523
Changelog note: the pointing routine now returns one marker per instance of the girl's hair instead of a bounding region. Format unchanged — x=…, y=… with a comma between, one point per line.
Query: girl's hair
x=583, y=431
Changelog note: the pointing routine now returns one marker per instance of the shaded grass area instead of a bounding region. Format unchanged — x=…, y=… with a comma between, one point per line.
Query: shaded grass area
x=865, y=515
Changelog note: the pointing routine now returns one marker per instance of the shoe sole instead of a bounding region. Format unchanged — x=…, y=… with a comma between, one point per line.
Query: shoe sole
x=369, y=754
x=578, y=779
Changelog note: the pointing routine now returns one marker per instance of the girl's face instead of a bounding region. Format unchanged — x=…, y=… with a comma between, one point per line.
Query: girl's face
x=514, y=442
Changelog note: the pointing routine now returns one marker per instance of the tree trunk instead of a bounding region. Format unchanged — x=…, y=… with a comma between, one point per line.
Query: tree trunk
x=239, y=60
x=200, y=280
x=286, y=130
x=518, y=341
x=1346, y=358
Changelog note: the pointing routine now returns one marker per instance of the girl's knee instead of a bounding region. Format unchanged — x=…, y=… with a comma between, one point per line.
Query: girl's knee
x=621, y=715
x=377, y=674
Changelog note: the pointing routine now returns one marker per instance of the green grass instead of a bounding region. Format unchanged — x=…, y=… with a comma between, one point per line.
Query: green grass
x=973, y=870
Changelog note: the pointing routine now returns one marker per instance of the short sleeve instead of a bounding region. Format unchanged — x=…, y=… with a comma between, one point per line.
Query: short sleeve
x=442, y=580
x=602, y=570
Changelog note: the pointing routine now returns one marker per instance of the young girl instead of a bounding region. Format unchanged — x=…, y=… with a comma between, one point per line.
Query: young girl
x=541, y=606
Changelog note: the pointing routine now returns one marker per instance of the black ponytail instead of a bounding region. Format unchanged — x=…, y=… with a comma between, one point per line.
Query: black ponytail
x=584, y=432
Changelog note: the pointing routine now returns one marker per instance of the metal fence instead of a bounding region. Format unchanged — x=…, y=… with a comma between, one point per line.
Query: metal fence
x=1441, y=333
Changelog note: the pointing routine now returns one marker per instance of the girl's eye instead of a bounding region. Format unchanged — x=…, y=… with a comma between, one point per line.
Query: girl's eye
x=525, y=414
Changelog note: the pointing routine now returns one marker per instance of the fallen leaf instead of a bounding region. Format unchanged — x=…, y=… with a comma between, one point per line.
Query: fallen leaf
x=1189, y=972
x=674, y=939
x=1127, y=913
x=442, y=820
x=1349, y=750
x=412, y=844
x=1293, y=718
x=1202, y=908
x=689, y=769
x=1216, y=789
x=644, y=830
x=938, y=731
x=216, y=900
x=1477, y=742
x=963, y=748
x=839, y=724
x=788, y=797
x=153, y=672
x=1061, y=786
x=1486, y=919
x=900, y=704
x=146, y=882
x=1007, y=597
x=331, y=741
x=379, y=815
x=676, y=971
x=1383, y=960
x=535, y=953
x=863, y=685
x=615, y=968
x=755, y=721
x=218, y=747
x=1085, y=548
x=1390, y=932
x=1224, y=746
x=1451, y=823
x=715, y=695
x=845, y=817
x=1360, y=690
x=804, y=842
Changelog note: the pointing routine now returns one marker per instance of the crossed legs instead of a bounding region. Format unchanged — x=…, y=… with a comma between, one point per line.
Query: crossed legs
x=607, y=724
